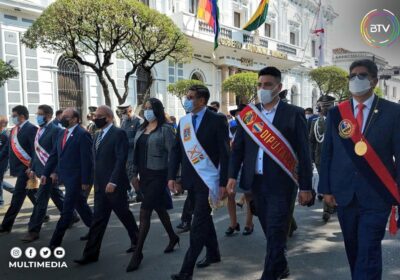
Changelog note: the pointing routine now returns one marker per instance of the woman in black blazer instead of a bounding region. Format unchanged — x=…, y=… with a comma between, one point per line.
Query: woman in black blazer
x=153, y=144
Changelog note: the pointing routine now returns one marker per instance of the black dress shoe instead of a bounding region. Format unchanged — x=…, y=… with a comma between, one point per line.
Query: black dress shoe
x=181, y=276
x=75, y=220
x=85, y=237
x=171, y=245
x=207, y=262
x=135, y=262
x=86, y=260
x=46, y=219
x=30, y=237
x=131, y=249
x=285, y=274
x=248, y=230
x=231, y=230
x=184, y=227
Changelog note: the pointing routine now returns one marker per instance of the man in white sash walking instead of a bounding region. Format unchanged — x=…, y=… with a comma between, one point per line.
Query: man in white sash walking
x=271, y=143
x=202, y=148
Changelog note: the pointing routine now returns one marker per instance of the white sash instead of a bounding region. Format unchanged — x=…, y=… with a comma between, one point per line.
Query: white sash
x=18, y=150
x=41, y=153
x=198, y=157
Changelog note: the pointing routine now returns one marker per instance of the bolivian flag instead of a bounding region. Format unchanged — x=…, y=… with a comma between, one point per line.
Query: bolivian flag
x=259, y=17
x=209, y=12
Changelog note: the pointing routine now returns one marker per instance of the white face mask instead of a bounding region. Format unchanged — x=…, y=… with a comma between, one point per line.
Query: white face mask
x=15, y=120
x=359, y=87
x=266, y=95
x=149, y=115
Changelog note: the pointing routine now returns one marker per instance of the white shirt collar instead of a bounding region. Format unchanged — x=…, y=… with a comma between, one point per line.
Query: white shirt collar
x=105, y=130
x=72, y=128
x=367, y=103
x=272, y=110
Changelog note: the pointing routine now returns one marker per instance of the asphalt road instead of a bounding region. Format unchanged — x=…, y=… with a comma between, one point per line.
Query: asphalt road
x=315, y=252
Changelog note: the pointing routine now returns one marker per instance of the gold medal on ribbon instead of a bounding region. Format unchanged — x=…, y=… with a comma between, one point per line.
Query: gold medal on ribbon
x=360, y=148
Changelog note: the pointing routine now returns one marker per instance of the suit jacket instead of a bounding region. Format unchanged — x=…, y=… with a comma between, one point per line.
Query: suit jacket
x=291, y=122
x=74, y=163
x=48, y=141
x=110, y=160
x=26, y=138
x=340, y=177
x=213, y=135
x=4, y=152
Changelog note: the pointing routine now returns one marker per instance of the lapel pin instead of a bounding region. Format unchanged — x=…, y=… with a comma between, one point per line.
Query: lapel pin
x=376, y=111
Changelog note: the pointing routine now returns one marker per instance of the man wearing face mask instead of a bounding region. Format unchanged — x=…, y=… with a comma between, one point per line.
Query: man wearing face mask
x=360, y=172
x=21, y=152
x=72, y=160
x=271, y=143
x=317, y=131
x=110, y=183
x=201, y=148
x=130, y=124
x=45, y=141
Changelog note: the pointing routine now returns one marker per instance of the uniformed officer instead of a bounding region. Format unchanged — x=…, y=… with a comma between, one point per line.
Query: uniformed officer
x=91, y=127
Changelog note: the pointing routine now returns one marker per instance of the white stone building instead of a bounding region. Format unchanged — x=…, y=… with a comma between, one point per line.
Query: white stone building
x=284, y=41
x=389, y=77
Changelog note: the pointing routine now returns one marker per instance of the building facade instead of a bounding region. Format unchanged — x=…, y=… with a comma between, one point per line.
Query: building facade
x=389, y=76
x=284, y=41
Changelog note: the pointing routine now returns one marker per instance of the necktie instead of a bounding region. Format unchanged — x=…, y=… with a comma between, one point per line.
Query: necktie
x=194, y=121
x=360, y=116
x=41, y=130
x=98, y=140
x=64, y=139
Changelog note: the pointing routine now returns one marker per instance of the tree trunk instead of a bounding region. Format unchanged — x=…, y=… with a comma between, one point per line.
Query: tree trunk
x=106, y=91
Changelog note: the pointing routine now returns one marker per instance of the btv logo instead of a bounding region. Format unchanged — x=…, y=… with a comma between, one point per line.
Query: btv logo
x=380, y=28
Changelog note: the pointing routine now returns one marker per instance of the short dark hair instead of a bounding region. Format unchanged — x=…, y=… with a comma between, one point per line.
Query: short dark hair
x=59, y=112
x=309, y=110
x=216, y=103
x=21, y=111
x=46, y=109
x=201, y=92
x=271, y=71
x=367, y=63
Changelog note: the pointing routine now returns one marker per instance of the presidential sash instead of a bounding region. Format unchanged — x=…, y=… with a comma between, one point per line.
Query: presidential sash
x=41, y=153
x=19, y=152
x=364, y=157
x=270, y=140
x=198, y=157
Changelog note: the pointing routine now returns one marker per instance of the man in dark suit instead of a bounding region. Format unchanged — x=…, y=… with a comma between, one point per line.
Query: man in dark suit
x=21, y=152
x=348, y=178
x=110, y=183
x=45, y=141
x=212, y=132
x=273, y=189
x=72, y=161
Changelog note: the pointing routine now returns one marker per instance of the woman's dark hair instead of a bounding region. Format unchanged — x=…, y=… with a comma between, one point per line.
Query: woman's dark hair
x=158, y=109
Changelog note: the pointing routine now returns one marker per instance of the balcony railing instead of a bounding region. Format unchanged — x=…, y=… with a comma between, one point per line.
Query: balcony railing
x=248, y=39
x=226, y=33
x=286, y=49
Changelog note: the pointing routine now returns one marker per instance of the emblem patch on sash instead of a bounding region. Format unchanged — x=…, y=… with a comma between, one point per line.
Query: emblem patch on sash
x=258, y=127
x=249, y=118
x=195, y=155
x=186, y=133
x=346, y=129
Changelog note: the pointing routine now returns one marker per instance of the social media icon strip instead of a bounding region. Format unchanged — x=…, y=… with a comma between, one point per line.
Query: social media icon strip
x=59, y=252
x=30, y=252
x=16, y=252
x=45, y=252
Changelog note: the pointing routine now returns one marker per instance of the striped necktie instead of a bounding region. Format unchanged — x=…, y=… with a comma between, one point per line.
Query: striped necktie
x=98, y=139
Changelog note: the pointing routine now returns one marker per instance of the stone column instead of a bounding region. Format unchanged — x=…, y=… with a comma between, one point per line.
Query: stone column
x=224, y=95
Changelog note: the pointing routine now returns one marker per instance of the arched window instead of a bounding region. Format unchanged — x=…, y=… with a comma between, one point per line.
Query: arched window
x=197, y=76
x=70, y=88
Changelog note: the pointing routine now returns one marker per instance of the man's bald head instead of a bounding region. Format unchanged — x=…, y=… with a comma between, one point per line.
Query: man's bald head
x=106, y=111
x=103, y=112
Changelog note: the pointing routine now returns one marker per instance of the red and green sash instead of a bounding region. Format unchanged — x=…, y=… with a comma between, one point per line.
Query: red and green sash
x=368, y=162
x=270, y=140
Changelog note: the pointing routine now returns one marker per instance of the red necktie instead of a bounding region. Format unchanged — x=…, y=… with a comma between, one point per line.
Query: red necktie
x=360, y=116
x=64, y=139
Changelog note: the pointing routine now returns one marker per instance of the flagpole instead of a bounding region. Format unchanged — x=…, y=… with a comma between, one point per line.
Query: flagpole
x=314, y=25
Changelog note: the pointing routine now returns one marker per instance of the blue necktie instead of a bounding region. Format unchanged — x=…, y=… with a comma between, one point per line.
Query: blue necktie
x=194, y=121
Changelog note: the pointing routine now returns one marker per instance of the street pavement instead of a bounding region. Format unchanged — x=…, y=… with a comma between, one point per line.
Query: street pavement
x=315, y=252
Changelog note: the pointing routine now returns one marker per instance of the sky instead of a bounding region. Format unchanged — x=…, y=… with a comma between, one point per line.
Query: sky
x=346, y=27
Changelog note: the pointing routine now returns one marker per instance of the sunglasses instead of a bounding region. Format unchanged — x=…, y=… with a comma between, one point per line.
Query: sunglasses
x=361, y=76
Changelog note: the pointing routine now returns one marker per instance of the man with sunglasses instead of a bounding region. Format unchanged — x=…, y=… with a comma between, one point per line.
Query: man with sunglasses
x=359, y=172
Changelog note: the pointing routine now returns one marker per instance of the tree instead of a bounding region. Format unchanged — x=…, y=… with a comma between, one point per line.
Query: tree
x=331, y=80
x=6, y=72
x=94, y=32
x=180, y=88
x=379, y=92
x=244, y=85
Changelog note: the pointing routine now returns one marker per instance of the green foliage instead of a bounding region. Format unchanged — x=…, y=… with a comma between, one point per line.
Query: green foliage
x=180, y=88
x=6, y=72
x=241, y=84
x=331, y=80
x=379, y=92
x=95, y=32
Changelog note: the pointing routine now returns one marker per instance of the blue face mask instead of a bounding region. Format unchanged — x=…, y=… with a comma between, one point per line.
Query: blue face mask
x=188, y=105
x=40, y=120
x=149, y=115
